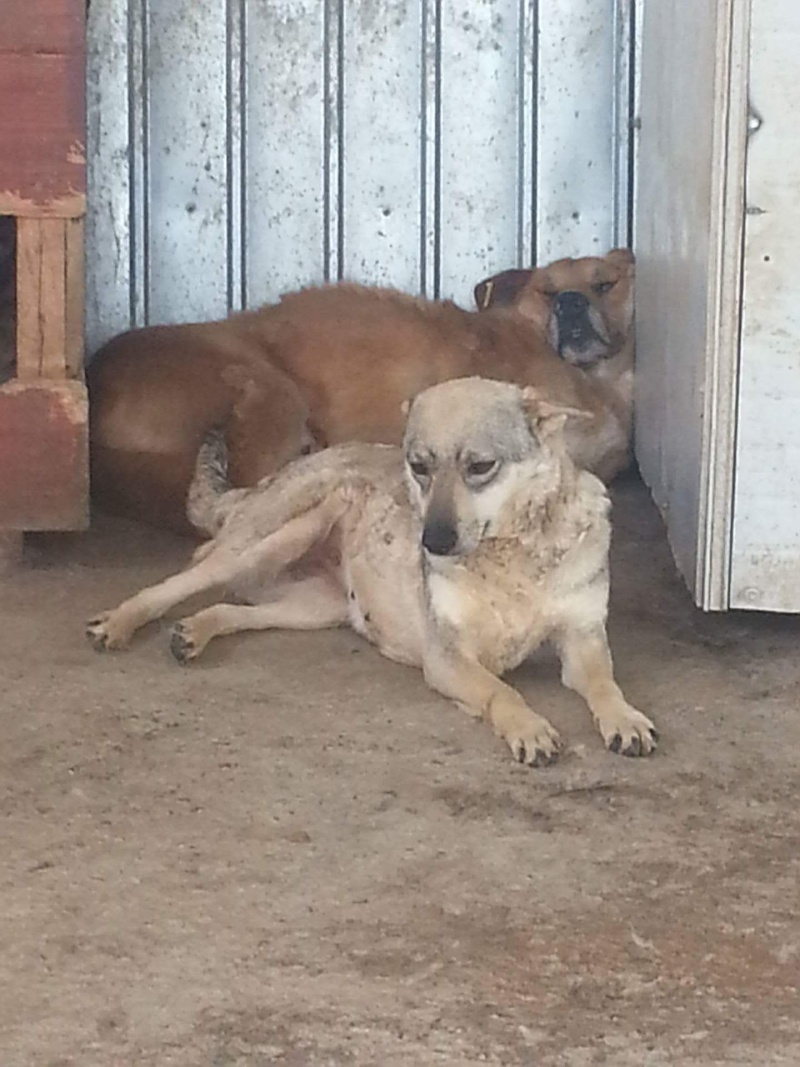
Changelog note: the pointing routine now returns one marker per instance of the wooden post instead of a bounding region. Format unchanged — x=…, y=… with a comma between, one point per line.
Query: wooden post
x=10, y=550
x=49, y=298
x=44, y=409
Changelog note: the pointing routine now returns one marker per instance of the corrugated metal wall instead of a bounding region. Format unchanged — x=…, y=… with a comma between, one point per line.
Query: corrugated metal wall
x=240, y=148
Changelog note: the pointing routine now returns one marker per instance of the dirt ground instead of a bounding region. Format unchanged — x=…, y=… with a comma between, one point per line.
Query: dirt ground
x=293, y=853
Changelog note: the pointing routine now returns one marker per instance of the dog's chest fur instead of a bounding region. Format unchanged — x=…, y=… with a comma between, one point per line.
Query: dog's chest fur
x=502, y=602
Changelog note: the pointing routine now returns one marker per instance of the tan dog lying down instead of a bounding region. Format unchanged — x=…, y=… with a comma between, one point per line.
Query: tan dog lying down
x=336, y=363
x=459, y=557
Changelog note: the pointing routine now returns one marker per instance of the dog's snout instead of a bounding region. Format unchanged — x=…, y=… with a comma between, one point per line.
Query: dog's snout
x=570, y=304
x=439, y=538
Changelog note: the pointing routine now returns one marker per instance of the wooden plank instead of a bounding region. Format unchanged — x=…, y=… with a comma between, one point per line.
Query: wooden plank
x=44, y=476
x=28, y=298
x=41, y=298
x=52, y=298
x=75, y=289
x=42, y=26
x=8, y=299
x=11, y=547
x=43, y=161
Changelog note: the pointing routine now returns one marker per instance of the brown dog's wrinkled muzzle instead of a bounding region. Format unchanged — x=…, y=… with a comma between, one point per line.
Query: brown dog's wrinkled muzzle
x=579, y=334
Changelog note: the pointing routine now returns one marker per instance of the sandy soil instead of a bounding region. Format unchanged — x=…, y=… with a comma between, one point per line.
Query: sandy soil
x=293, y=853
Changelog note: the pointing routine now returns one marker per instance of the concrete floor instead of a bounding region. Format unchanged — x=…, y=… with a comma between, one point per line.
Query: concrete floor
x=293, y=853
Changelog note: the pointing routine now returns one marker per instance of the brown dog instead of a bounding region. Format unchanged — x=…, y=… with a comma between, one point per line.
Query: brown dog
x=154, y=395
x=588, y=316
x=336, y=362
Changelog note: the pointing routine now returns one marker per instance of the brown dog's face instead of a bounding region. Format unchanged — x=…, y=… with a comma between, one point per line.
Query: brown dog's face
x=585, y=306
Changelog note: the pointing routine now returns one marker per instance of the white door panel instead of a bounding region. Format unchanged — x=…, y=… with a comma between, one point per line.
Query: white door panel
x=766, y=528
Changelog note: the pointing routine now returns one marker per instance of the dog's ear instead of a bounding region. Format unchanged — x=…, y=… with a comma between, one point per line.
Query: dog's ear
x=501, y=290
x=548, y=418
x=621, y=257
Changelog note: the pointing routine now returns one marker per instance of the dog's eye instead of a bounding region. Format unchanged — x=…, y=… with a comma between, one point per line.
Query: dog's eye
x=603, y=287
x=479, y=467
x=419, y=468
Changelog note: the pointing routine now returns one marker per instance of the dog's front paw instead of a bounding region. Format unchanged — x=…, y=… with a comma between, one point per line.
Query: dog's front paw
x=628, y=732
x=182, y=643
x=533, y=740
x=105, y=634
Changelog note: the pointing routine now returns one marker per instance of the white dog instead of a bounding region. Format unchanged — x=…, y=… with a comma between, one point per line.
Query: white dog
x=460, y=554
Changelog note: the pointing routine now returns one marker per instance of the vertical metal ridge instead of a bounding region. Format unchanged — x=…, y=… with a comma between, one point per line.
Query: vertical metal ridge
x=340, y=113
x=333, y=137
x=636, y=27
x=437, y=186
x=236, y=149
x=621, y=118
x=430, y=147
x=527, y=31
x=424, y=266
x=139, y=148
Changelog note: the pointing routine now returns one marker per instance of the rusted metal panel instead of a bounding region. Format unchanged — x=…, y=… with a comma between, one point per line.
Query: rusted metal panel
x=242, y=149
x=44, y=445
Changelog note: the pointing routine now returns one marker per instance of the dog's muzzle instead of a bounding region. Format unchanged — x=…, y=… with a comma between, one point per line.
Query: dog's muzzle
x=577, y=339
x=439, y=538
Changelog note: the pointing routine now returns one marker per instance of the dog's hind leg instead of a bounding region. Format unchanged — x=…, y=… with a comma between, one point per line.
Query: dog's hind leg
x=530, y=737
x=267, y=557
x=315, y=603
x=114, y=629
x=587, y=668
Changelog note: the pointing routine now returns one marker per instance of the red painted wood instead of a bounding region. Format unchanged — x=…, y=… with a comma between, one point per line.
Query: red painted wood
x=42, y=134
x=42, y=26
x=44, y=444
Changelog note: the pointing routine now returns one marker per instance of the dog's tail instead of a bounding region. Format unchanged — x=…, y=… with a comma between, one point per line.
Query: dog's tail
x=210, y=496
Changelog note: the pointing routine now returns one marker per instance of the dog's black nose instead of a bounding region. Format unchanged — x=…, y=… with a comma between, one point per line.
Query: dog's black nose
x=569, y=304
x=439, y=538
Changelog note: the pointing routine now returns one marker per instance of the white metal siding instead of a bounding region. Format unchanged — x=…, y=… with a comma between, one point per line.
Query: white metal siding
x=689, y=215
x=240, y=149
x=766, y=529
